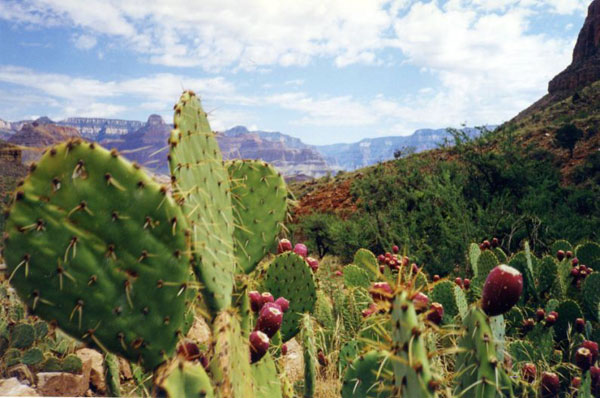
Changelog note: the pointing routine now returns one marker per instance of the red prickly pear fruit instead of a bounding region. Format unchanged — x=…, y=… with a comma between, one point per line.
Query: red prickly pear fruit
x=467, y=283
x=575, y=261
x=583, y=358
x=528, y=324
x=382, y=269
x=381, y=291
x=574, y=272
x=576, y=382
x=388, y=255
x=367, y=312
x=550, y=320
x=560, y=255
x=554, y=313
x=395, y=249
x=284, y=349
x=283, y=303
x=381, y=258
x=550, y=384
x=312, y=263
x=481, y=247
x=529, y=371
x=458, y=280
x=393, y=264
x=487, y=244
x=540, y=314
x=405, y=261
x=495, y=242
x=269, y=305
x=259, y=344
x=436, y=278
x=266, y=297
x=269, y=321
x=502, y=289
x=420, y=302
x=189, y=350
x=579, y=325
x=414, y=268
x=321, y=358
x=256, y=301
x=593, y=347
x=338, y=273
x=284, y=245
x=436, y=313
x=583, y=268
x=595, y=376
x=301, y=250
x=569, y=254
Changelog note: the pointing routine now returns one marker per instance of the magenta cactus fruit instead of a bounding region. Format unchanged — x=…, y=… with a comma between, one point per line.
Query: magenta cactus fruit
x=436, y=278
x=487, y=244
x=339, y=273
x=579, y=325
x=301, y=250
x=269, y=320
x=395, y=249
x=502, y=289
x=312, y=263
x=550, y=384
x=593, y=347
x=560, y=255
x=283, y=303
x=540, y=314
x=569, y=254
x=583, y=358
x=436, y=313
x=269, y=305
x=550, y=320
x=576, y=382
x=255, y=300
x=458, y=280
x=189, y=350
x=467, y=283
x=284, y=349
x=528, y=324
x=495, y=242
x=259, y=344
x=529, y=372
x=381, y=259
x=266, y=297
x=381, y=291
x=575, y=261
x=420, y=302
x=284, y=245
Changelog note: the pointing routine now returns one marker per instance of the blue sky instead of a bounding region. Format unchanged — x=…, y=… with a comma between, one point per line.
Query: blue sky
x=323, y=70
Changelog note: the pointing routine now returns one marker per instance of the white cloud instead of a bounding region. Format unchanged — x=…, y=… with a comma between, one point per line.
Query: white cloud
x=85, y=42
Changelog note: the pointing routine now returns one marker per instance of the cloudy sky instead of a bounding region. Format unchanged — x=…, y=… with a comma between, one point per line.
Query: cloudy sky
x=322, y=70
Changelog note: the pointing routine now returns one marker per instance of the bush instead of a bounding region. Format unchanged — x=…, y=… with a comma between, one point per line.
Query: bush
x=567, y=136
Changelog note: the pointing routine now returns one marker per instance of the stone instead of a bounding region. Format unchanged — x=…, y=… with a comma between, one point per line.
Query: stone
x=59, y=384
x=125, y=368
x=13, y=388
x=97, y=373
x=200, y=331
x=22, y=373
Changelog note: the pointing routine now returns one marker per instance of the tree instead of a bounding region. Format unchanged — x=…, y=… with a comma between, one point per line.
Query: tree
x=567, y=136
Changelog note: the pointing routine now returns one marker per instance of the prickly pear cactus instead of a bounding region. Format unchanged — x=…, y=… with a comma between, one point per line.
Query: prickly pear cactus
x=366, y=260
x=560, y=244
x=485, y=263
x=588, y=253
x=310, y=357
x=443, y=293
x=355, y=276
x=367, y=378
x=289, y=276
x=96, y=246
x=591, y=295
x=259, y=198
x=202, y=189
x=568, y=312
x=185, y=379
x=474, y=253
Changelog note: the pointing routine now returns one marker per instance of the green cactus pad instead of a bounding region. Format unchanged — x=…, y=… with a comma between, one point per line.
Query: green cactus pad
x=355, y=276
x=548, y=272
x=461, y=301
x=41, y=329
x=72, y=364
x=324, y=312
x=591, y=295
x=366, y=260
x=485, y=263
x=266, y=380
x=354, y=302
x=310, y=357
x=500, y=255
x=568, y=312
x=560, y=245
x=289, y=276
x=32, y=356
x=97, y=246
x=413, y=376
x=230, y=365
x=588, y=254
x=113, y=380
x=259, y=198
x=202, y=188
x=11, y=357
x=522, y=351
x=22, y=335
x=519, y=262
x=51, y=364
x=367, y=378
x=347, y=353
x=474, y=253
x=443, y=293
x=185, y=379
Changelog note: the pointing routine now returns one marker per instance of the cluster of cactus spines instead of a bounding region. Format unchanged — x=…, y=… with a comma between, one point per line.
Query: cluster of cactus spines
x=89, y=235
x=289, y=276
x=259, y=198
x=412, y=372
x=310, y=357
x=201, y=187
x=479, y=373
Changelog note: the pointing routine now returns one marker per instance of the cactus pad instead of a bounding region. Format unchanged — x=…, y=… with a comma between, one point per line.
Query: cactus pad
x=266, y=380
x=443, y=293
x=548, y=272
x=568, y=312
x=355, y=276
x=474, y=253
x=202, y=188
x=560, y=245
x=184, y=379
x=289, y=276
x=365, y=377
x=591, y=295
x=485, y=263
x=366, y=260
x=98, y=247
x=588, y=253
x=259, y=198
x=310, y=357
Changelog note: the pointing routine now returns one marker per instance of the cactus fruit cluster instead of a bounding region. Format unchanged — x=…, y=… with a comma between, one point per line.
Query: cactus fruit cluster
x=98, y=249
